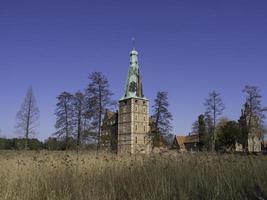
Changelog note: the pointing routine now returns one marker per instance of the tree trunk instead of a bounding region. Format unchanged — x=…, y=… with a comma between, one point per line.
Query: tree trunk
x=214, y=127
x=79, y=131
x=27, y=131
x=99, y=119
x=67, y=127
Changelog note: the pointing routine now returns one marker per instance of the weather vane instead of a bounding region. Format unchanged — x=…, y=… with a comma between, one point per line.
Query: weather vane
x=133, y=42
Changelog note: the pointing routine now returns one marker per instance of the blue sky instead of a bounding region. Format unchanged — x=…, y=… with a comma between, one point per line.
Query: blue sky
x=187, y=48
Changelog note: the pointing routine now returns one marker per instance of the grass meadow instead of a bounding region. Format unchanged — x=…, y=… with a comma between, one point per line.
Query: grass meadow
x=66, y=176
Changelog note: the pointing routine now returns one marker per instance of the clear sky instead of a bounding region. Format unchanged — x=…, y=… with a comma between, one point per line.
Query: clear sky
x=187, y=48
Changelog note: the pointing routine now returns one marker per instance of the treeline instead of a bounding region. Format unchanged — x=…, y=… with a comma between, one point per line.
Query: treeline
x=79, y=118
x=19, y=144
x=52, y=143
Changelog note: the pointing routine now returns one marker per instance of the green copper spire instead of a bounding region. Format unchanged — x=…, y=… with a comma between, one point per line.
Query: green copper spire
x=133, y=86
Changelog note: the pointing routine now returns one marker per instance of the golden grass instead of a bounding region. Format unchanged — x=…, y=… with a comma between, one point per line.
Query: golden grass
x=61, y=176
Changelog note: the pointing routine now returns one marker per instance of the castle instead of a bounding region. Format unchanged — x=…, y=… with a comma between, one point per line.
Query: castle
x=127, y=131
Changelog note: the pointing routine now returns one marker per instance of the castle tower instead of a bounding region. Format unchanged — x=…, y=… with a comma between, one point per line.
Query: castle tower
x=133, y=119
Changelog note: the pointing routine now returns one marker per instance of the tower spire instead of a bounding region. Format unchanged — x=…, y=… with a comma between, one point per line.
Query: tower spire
x=133, y=86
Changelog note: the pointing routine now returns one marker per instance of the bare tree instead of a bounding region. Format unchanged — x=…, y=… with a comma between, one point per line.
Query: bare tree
x=28, y=117
x=162, y=117
x=79, y=113
x=98, y=97
x=214, y=108
x=64, y=115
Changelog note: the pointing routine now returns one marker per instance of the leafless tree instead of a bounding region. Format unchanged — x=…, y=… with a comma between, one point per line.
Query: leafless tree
x=162, y=118
x=64, y=114
x=214, y=108
x=98, y=97
x=253, y=107
x=79, y=114
x=28, y=117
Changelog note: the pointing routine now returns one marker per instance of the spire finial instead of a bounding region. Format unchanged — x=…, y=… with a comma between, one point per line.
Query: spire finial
x=133, y=43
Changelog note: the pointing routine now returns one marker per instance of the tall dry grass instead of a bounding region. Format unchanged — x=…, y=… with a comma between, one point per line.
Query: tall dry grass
x=63, y=176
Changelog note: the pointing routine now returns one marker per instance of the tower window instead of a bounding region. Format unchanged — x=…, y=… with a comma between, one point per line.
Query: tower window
x=135, y=108
x=144, y=128
x=135, y=139
x=136, y=127
x=135, y=117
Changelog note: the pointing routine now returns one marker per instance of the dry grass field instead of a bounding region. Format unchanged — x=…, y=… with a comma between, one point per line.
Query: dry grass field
x=64, y=176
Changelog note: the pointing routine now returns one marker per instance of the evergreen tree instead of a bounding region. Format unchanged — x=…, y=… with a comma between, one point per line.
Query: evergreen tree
x=161, y=117
x=228, y=135
x=98, y=98
x=64, y=117
x=199, y=128
x=28, y=117
x=209, y=129
x=201, y=125
x=194, y=128
x=214, y=108
x=202, y=132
